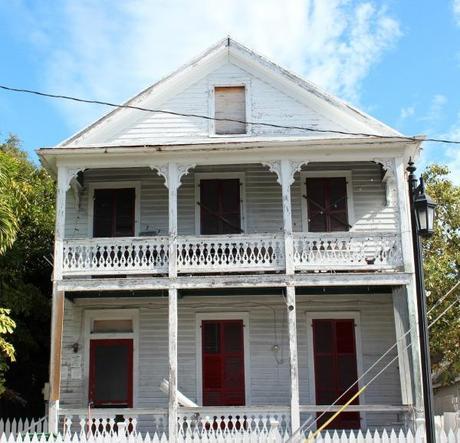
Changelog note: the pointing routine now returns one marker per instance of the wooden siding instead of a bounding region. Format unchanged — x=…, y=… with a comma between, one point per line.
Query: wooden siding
x=266, y=103
x=263, y=208
x=269, y=380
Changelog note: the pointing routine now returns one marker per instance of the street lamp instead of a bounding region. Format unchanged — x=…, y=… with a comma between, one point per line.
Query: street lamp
x=422, y=218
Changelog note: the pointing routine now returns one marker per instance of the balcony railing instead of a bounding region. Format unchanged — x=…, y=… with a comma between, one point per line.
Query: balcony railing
x=338, y=251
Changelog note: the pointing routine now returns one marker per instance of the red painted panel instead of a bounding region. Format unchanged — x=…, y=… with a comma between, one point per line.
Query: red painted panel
x=223, y=363
x=335, y=368
x=111, y=373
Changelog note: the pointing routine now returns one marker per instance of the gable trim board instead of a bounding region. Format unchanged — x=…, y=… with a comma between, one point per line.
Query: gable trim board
x=235, y=53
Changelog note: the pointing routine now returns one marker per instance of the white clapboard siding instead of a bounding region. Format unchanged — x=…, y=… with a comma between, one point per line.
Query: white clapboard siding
x=267, y=103
x=268, y=382
x=271, y=435
x=263, y=209
x=15, y=426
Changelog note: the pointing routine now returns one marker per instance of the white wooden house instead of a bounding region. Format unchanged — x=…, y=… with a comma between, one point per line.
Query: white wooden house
x=259, y=269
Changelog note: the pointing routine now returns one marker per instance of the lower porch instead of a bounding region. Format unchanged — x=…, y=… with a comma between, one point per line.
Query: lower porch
x=233, y=359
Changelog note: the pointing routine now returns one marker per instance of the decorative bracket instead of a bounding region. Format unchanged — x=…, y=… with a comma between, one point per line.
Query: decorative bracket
x=389, y=179
x=293, y=167
x=70, y=182
x=181, y=168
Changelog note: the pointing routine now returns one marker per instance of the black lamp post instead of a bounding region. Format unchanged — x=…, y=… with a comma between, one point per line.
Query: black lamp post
x=422, y=218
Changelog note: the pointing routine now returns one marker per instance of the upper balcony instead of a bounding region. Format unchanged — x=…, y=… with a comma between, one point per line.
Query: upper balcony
x=232, y=219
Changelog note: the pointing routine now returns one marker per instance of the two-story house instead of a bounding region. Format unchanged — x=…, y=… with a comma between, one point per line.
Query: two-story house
x=232, y=246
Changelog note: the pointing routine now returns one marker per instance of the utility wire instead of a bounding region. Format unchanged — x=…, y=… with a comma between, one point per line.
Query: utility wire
x=310, y=424
x=206, y=117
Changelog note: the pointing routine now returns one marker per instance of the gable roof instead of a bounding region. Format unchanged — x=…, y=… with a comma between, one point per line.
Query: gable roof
x=352, y=118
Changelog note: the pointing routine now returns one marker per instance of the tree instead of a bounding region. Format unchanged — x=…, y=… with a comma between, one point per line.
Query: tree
x=25, y=285
x=442, y=271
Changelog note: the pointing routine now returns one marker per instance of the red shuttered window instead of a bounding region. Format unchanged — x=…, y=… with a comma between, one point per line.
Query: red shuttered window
x=334, y=348
x=220, y=206
x=111, y=373
x=223, y=363
x=114, y=212
x=327, y=204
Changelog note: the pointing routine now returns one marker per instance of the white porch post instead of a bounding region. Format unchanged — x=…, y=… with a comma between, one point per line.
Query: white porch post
x=411, y=296
x=172, y=183
x=286, y=179
x=57, y=313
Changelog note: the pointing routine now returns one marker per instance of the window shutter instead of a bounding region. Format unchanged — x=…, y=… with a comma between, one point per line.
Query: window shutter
x=327, y=204
x=335, y=368
x=230, y=102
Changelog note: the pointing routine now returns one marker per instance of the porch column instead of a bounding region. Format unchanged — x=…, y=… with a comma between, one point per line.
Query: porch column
x=287, y=177
x=57, y=313
x=411, y=296
x=172, y=183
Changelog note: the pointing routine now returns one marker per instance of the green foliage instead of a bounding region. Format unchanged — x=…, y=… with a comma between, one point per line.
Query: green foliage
x=28, y=191
x=442, y=271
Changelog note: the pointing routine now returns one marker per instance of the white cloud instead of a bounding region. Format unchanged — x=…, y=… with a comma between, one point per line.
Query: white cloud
x=110, y=50
x=407, y=112
x=435, y=110
x=456, y=9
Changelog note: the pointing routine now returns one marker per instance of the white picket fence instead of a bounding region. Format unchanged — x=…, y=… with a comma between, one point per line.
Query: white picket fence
x=14, y=427
x=240, y=436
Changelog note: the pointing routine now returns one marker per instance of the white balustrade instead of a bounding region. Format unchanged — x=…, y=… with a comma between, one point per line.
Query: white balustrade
x=231, y=253
x=257, y=420
x=347, y=251
x=117, y=255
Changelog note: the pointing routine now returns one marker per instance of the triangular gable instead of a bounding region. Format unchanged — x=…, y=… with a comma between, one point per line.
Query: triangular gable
x=280, y=97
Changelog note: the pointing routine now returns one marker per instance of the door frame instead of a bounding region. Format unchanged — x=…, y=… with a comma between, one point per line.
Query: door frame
x=110, y=314
x=346, y=174
x=244, y=316
x=335, y=315
x=136, y=185
x=220, y=175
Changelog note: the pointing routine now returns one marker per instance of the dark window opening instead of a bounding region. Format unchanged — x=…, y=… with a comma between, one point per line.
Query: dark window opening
x=220, y=206
x=114, y=211
x=335, y=368
x=327, y=204
x=223, y=363
x=111, y=373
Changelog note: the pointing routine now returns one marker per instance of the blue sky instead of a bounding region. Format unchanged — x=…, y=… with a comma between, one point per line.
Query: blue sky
x=397, y=60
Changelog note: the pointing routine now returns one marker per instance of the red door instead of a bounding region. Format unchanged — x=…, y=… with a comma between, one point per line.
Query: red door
x=223, y=363
x=335, y=368
x=111, y=373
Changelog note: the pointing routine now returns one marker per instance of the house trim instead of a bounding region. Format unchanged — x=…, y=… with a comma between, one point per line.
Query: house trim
x=217, y=175
x=115, y=185
x=329, y=314
x=110, y=314
x=347, y=174
x=212, y=101
x=199, y=367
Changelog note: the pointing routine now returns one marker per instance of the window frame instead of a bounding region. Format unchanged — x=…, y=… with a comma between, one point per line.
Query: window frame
x=333, y=315
x=213, y=176
x=199, y=317
x=110, y=314
x=246, y=83
x=347, y=174
x=136, y=185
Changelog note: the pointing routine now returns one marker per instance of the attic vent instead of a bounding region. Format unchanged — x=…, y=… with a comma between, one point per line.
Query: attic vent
x=230, y=103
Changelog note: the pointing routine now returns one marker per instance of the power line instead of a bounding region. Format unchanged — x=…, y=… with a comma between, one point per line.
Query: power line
x=450, y=291
x=207, y=117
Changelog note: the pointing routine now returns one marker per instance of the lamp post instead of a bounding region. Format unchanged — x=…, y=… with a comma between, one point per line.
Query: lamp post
x=422, y=219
